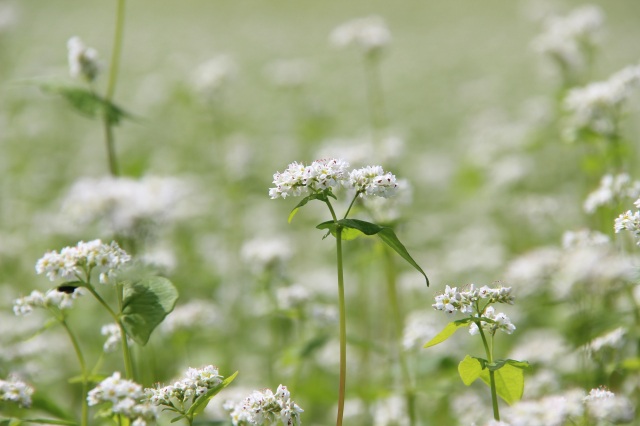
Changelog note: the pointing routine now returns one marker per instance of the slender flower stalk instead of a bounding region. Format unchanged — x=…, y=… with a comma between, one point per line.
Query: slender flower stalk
x=111, y=87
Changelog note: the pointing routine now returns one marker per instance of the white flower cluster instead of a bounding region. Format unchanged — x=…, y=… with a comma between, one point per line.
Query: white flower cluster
x=264, y=252
x=299, y=179
x=124, y=396
x=15, y=390
x=265, y=408
x=597, y=106
x=196, y=382
x=196, y=314
x=502, y=323
x=602, y=404
x=52, y=298
x=552, y=410
x=565, y=38
x=464, y=301
x=613, y=339
x=629, y=221
x=126, y=206
x=73, y=263
x=372, y=180
x=292, y=73
x=83, y=61
x=214, y=74
x=584, y=238
x=370, y=34
x=114, y=337
x=612, y=189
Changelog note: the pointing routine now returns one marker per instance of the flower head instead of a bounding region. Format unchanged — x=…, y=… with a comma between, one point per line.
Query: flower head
x=196, y=382
x=266, y=408
x=52, y=298
x=299, y=179
x=372, y=180
x=15, y=390
x=124, y=398
x=83, y=61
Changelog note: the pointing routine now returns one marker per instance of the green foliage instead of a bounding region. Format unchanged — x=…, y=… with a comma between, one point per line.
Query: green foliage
x=385, y=233
x=508, y=375
x=88, y=103
x=447, y=332
x=146, y=303
x=201, y=403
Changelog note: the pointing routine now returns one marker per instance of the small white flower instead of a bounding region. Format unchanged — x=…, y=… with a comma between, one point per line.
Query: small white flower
x=83, y=61
x=370, y=34
x=373, y=180
x=52, y=298
x=604, y=405
x=15, y=390
x=629, y=221
x=265, y=408
x=612, y=189
x=195, y=382
x=214, y=74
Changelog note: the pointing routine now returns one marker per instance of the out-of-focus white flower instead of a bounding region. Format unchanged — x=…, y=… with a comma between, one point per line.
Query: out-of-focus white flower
x=193, y=314
x=266, y=408
x=369, y=34
x=130, y=207
x=288, y=73
x=293, y=296
x=613, y=339
x=388, y=211
x=124, y=397
x=73, y=263
x=114, y=337
x=83, y=61
x=15, y=390
x=532, y=271
x=584, y=238
x=553, y=410
x=603, y=405
x=568, y=39
x=629, y=221
x=390, y=411
x=597, y=107
x=263, y=252
x=8, y=16
x=52, y=298
x=214, y=74
x=612, y=189
x=420, y=326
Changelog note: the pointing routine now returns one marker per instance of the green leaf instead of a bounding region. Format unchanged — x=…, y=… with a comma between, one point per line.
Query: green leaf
x=447, y=332
x=385, y=233
x=201, y=403
x=146, y=303
x=509, y=382
x=43, y=403
x=88, y=103
x=322, y=196
x=175, y=419
x=469, y=369
x=524, y=365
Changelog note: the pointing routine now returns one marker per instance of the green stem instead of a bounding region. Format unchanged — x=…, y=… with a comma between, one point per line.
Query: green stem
x=492, y=379
x=83, y=366
x=126, y=353
x=343, y=328
x=351, y=205
x=396, y=317
x=111, y=87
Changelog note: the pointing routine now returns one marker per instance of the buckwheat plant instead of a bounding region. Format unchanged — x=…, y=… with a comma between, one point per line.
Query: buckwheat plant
x=190, y=395
x=16, y=391
x=629, y=221
x=265, y=408
x=504, y=376
x=142, y=303
x=318, y=181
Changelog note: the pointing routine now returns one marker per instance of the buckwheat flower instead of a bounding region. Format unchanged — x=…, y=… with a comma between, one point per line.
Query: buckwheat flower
x=299, y=179
x=629, y=221
x=369, y=34
x=214, y=74
x=52, y=298
x=584, y=238
x=114, y=337
x=597, y=107
x=419, y=327
x=266, y=408
x=73, y=263
x=292, y=297
x=553, y=410
x=261, y=253
x=449, y=301
x=390, y=411
x=123, y=398
x=83, y=61
x=613, y=340
x=612, y=189
x=190, y=315
x=372, y=180
x=15, y=390
x=196, y=382
x=603, y=405
x=288, y=73
x=502, y=323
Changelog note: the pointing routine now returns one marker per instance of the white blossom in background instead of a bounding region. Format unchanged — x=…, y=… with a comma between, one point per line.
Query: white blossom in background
x=612, y=340
x=129, y=207
x=260, y=253
x=369, y=34
x=292, y=297
x=196, y=382
x=289, y=74
x=612, y=189
x=15, y=390
x=469, y=407
x=584, y=238
x=83, y=60
x=391, y=411
x=114, y=337
x=214, y=74
x=52, y=298
x=419, y=328
x=361, y=149
x=502, y=323
x=552, y=410
x=605, y=406
x=569, y=39
x=189, y=315
x=266, y=408
x=386, y=211
x=8, y=16
x=532, y=271
x=73, y=263
x=597, y=107
x=124, y=398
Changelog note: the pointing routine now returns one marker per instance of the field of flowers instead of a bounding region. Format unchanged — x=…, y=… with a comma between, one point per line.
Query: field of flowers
x=282, y=212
